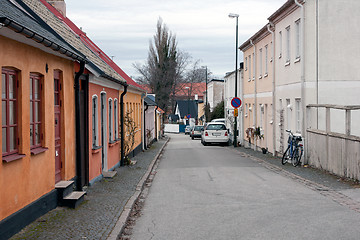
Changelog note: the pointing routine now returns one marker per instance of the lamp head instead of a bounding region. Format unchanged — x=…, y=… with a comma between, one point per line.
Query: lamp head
x=233, y=15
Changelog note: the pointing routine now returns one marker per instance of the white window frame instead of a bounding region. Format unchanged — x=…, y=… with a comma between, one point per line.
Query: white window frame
x=116, y=119
x=266, y=60
x=246, y=63
x=280, y=44
x=250, y=67
x=288, y=114
x=298, y=114
x=95, y=121
x=297, y=37
x=254, y=65
x=288, y=50
x=260, y=63
x=110, y=120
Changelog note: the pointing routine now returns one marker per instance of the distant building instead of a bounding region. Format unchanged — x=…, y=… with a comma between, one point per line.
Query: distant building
x=215, y=88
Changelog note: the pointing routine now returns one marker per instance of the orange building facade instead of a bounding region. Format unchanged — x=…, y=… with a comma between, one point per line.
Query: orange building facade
x=28, y=166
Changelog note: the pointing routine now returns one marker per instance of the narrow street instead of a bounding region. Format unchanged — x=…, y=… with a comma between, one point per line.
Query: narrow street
x=217, y=192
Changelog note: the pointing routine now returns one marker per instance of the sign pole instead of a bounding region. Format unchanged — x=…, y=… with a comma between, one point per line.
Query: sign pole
x=236, y=75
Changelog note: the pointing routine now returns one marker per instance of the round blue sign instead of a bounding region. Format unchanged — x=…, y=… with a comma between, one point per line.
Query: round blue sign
x=188, y=116
x=236, y=102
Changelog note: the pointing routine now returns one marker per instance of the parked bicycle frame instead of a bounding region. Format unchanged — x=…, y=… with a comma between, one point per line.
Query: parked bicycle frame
x=294, y=150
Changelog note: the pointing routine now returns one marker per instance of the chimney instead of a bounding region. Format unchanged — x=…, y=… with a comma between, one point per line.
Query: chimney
x=59, y=5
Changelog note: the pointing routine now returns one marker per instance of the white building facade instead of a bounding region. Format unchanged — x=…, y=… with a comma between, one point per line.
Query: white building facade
x=215, y=88
x=229, y=94
x=315, y=62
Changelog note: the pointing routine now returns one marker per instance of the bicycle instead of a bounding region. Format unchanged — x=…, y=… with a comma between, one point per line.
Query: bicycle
x=294, y=150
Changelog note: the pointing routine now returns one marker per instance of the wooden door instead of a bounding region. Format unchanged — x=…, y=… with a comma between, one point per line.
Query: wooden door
x=57, y=111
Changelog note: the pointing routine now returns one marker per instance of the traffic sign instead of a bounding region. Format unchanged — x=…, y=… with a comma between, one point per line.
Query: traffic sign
x=236, y=102
x=236, y=112
x=188, y=116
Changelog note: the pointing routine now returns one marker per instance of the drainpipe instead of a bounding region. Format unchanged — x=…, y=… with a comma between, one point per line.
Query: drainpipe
x=147, y=106
x=273, y=86
x=78, y=125
x=255, y=90
x=156, y=131
x=143, y=95
x=122, y=124
x=303, y=102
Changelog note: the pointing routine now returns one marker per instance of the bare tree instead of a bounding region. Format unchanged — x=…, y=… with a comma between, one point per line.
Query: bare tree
x=164, y=67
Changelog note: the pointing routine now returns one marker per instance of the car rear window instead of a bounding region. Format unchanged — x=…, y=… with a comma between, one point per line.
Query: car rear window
x=216, y=127
x=197, y=128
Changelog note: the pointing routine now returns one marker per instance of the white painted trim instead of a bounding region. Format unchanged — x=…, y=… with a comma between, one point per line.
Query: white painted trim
x=264, y=94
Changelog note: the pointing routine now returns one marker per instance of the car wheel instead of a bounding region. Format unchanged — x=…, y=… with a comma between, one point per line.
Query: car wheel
x=192, y=138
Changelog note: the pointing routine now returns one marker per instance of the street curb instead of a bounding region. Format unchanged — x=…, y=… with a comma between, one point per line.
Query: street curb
x=120, y=224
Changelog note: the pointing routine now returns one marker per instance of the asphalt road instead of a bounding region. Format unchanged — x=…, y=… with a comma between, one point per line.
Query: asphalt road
x=214, y=192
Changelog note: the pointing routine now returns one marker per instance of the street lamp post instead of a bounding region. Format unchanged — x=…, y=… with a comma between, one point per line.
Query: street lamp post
x=206, y=96
x=233, y=15
x=188, y=103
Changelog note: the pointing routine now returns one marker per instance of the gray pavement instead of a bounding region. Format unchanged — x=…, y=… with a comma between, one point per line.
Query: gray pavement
x=99, y=217
x=99, y=214
x=219, y=192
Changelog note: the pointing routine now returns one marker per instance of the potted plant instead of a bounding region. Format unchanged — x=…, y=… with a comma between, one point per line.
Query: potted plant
x=258, y=133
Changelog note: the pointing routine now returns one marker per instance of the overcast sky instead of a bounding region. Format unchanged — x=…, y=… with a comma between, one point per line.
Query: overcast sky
x=123, y=29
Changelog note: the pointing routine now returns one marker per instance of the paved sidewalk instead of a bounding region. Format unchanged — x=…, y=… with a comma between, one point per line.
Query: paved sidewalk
x=101, y=212
x=344, y=191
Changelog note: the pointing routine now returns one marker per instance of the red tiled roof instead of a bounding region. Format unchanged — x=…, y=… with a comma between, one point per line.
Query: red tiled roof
x=196, y=88
x=182, y=91
x=90, y=44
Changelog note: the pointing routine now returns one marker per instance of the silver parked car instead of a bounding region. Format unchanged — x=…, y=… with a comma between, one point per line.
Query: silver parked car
x=187, y=129
x=215, y=132
x=196, y=132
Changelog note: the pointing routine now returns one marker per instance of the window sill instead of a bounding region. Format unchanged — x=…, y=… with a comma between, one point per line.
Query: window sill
x=253, y=79
x=271, y=60
x=265, y=75
x=297, y=60
x=38, y=150
x=12, y=157
x=113, y=143
x=287, y=63
x=280, y=56
x=260, y=77
x=249, y=80
x=96, y=149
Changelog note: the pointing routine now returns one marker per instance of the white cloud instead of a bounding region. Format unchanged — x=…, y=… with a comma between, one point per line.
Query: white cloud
x=123, y=28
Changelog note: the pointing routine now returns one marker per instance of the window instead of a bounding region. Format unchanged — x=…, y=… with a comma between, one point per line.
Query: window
x=246, y=110
x=35, y=110
x=246, y=63
x=9, y=90
x=249, y=67
x=280, y=44
x=298, y=115
x=95, y=121
x=260, y=62
x=261, y=110
x=288, y=44
x=253, y=66
x=266, y=59
x=110, y=121
x=288, y=114
x=297, y=37
x=116, y=120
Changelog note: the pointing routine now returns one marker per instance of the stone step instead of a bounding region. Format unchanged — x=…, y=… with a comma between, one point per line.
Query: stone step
x=109, y=174
x=64, y=188
x=73, y=199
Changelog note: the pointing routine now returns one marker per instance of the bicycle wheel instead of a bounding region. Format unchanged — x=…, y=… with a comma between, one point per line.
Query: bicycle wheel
x=298, y=154
x=286, y=156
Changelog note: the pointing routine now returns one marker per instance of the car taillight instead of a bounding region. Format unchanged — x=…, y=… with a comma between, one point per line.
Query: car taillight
x=226, y=134
x=206, y=134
